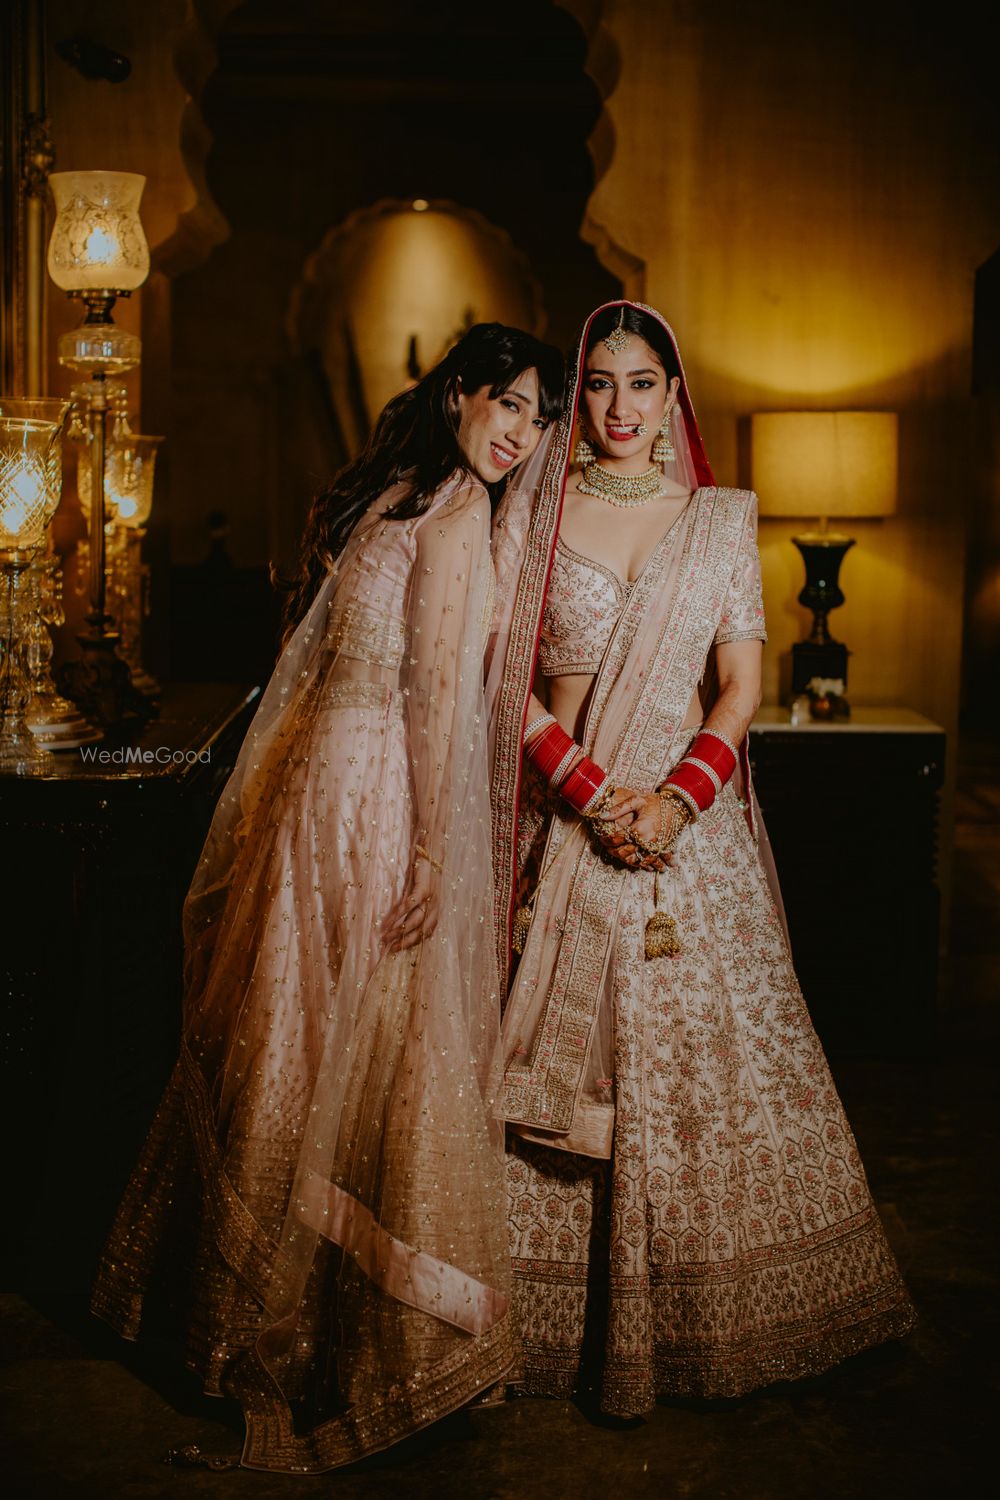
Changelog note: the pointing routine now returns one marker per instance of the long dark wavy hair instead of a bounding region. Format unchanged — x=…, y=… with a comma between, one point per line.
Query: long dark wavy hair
x=416, y=440
x=638, y=322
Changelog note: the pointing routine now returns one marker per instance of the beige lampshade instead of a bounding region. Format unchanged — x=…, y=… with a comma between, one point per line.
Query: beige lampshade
x=825, y=463
x=97, y=241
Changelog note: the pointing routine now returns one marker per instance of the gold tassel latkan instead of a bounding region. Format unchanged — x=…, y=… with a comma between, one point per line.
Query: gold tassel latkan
x=524, y=913
x=522, y=926
x=661, y=936
x=661, y=931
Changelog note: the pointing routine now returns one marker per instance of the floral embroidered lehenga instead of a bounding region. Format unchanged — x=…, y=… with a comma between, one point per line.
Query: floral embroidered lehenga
x=328, y=1138
x=688, y=1211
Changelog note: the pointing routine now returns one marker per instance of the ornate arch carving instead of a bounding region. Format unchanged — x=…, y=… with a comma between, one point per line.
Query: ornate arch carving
x=201, y=227
x=603, y=64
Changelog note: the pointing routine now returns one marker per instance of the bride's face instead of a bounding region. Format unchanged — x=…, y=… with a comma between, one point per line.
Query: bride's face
x=496, y=433
x=623, y=392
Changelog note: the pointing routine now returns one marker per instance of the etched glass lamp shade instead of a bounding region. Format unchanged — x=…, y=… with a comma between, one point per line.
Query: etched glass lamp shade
x=130, y=466
x=97, y=241
x=54, y=409
x=25, y=483
x=131, y=480
x=98, y=251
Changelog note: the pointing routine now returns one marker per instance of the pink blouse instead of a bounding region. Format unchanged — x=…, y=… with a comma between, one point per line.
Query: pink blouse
x=586, y=597
x=584, y=601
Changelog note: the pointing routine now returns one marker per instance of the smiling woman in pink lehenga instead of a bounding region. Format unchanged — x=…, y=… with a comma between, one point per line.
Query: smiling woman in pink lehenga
x=327, y=1143
x=689, y=1214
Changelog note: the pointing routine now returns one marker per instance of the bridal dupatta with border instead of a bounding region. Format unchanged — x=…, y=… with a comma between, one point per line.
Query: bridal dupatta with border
x=689, y=1214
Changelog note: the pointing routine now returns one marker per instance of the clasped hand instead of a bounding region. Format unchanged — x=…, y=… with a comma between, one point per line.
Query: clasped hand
x=628, y=816
x=415, y=917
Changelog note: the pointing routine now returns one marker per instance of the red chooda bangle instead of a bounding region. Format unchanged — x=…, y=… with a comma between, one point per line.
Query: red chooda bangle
x=557, y=757
x=552, y=753
x=714, y=752
x=584, y=785
x=704, y=771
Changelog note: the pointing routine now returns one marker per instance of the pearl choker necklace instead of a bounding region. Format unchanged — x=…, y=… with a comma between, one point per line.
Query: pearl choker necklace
x=622, y=489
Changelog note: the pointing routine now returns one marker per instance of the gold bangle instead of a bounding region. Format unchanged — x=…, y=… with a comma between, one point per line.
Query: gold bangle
x=594, y=815
x=422, y=853
x=666, y=837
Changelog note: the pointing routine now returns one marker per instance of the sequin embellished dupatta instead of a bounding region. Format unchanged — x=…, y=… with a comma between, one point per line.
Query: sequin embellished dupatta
x=333, y=1109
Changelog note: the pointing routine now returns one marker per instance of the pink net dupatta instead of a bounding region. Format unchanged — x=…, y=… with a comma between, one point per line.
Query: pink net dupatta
x=353, y=1283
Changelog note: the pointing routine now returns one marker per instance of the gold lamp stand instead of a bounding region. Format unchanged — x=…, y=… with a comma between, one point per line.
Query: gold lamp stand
x=98, y=253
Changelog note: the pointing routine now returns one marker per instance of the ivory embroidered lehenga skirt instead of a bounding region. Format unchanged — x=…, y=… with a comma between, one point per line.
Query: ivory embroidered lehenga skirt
x=731, y=1240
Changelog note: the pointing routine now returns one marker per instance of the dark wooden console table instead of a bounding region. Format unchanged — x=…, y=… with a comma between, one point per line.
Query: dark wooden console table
x=97, y=858
x=851, y=808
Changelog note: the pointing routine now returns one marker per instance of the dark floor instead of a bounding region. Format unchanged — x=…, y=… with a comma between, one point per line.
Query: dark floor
x=87, y=1416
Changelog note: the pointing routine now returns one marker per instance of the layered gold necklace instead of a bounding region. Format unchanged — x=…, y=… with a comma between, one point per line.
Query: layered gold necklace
x=622, y=489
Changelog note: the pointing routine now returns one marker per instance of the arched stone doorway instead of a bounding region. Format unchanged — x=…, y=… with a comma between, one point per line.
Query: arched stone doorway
x=316, y=114
x=389, y=290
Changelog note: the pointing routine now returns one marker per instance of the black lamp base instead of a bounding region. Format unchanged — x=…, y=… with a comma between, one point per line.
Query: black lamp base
x=820, y=655
x=810, y=660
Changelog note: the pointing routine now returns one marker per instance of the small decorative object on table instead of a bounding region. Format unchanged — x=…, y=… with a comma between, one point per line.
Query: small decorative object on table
x=826, y=698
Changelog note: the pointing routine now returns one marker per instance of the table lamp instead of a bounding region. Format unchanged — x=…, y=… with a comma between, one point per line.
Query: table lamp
x=53, y=720
x=828, y=464
x=98, y=253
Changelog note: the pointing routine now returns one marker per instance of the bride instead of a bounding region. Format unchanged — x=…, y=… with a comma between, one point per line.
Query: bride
x=689, y=1213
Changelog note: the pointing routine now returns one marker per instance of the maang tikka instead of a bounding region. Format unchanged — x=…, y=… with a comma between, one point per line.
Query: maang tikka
x=617, y=339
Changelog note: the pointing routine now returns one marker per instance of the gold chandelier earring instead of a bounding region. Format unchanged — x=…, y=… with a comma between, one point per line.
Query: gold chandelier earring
x=663, y=450
x=583, y=453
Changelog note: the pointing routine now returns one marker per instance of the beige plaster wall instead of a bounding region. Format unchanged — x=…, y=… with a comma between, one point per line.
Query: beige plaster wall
x=806, y=189
x=805, y=192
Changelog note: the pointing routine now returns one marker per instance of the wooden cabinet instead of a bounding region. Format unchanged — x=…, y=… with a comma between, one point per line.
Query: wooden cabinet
x=851, y=808
x=97, y=859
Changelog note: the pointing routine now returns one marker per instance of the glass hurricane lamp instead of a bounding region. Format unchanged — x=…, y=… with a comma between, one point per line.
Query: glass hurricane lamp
x=25, y=461
x=98, y=252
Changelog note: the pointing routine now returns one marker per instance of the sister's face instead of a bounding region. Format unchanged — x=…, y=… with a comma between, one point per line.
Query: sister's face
x=496, y=433
x=622, y=392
